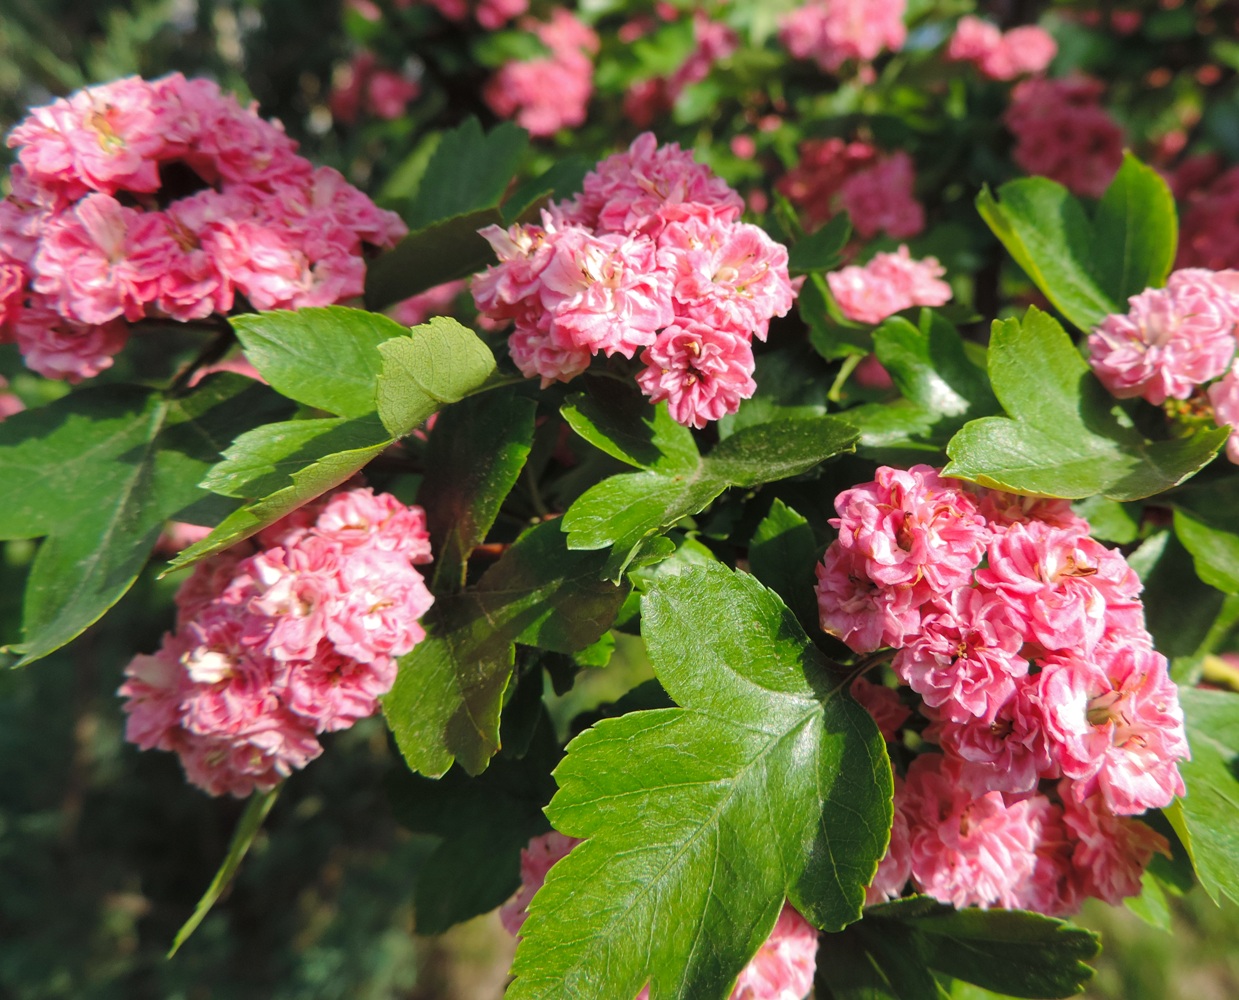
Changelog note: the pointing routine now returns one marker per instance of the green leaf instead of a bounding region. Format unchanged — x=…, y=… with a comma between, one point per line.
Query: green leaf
x=700, y=820
x=1012, y=952
x=1215, y=551
x=256, y=810
x=623, y=511
x=459, y=193
x=326, y=358
x=327, y=454
x=1048, y=233
x=1135, y=233
x=1088, y=267
x=483, y=822
x=285, y=466
x=439, y=362
x=1204, y=818
x=782, y=555
x=931, y=369
x=473, y=459
x=625, y=426
x=448, y=693
x=1064, y=435
x=873, y=960
x=99, y=471
x=822, y=250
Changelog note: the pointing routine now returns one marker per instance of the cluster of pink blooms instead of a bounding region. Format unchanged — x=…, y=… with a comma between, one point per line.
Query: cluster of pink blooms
x=165, y=199
x=889, y=283
x=364, y=85
x=782, y=969
x=1173, y=340
x=1024, y=639
x=1062, y=132
x=873, y=188
x=1209, y=233
x=551, y=92
x=490, y=14
x=1001, y=55
x=649, y=257
x=291, y=634
x=647, y=99
x=834, y=32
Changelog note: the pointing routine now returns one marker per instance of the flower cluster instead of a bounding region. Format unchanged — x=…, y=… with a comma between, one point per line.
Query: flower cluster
x=1171, y=339
x=647, y=99
x=165, y=199
x=1001, y=55
x=281, y=638
x=782, y=969
x=553, y=91
x=833, y=32
x=1209, y=234
x=1023, y=641
x=889, y=283
x=874, y=189
x=490, y=14
x=649, y=257
x=1062, y=132
x=364, y=85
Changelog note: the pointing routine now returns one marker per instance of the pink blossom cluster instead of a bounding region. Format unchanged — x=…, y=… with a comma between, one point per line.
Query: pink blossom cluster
x=889, y=283
x=552, y=92
x=647, y=99
x=649, y=257
x=283, y=637
x=833, y=32
x=167, y=199
x=1023, y=644
x=873, y=188
x=1209, y=235
x=1062, y=132
x=782, y=969
x=364, y=85
x=1001, y=55
x=490, y=14
x=1171, y=339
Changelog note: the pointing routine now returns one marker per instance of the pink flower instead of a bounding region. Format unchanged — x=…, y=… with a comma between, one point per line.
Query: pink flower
x=1000, y=56
x=538, y=355
x=1111, y=852
x=883, y=704
x=966, y=660
x=908, y=527
x=605, y=293
x=1063, y=133
x=627, y=191
x=1170, y=341
x=536, y=861
x=732, y=269
x=360, y=517
x=895, y=868
x=104, y=138
x=784, y=965
x=702, y=371
x=1054, y=888
x=1067, y=589
x=59, y=349
x=542, y=95
x=967, y=850
x=879, y=198
x=1224, y=398
x=1209, y=231
x=102, y=260
x=857, y=611
x=384, y=597
x=1007, y=752
x=813, y=185
x=833, y=32
x=889, y=283
x=1115, y=725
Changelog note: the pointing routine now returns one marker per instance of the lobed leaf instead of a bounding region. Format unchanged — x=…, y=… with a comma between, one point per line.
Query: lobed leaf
x=700, y=820
x=1063, y=434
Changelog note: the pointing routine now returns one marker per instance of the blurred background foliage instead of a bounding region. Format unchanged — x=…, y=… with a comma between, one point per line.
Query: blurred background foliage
x=103, y=850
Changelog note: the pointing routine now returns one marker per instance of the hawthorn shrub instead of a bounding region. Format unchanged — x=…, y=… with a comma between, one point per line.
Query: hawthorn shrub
x=854, y=381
